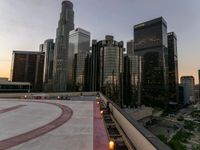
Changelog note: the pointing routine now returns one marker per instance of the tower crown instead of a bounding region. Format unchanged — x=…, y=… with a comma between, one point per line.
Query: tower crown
x=67, y=3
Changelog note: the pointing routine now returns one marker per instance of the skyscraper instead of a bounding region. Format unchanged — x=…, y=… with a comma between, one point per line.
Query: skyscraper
x=132, y=80
x=95, y=66
x=173, y=67
x=79, y=43
x=199, y=84
x=151, y=43
x=130, y=47
x=109, y=64
x=27, y=66
x=41, y=48
x=48, y=48
x=188, y=87
x=63, y=62
x=132, y=76
x=88, y=72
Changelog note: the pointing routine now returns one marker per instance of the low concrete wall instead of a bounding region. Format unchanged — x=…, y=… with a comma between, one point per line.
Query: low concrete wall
x=31, y=95
x=140, y=137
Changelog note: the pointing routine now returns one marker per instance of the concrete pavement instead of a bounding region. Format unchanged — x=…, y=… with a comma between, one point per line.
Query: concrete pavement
x=73, y=131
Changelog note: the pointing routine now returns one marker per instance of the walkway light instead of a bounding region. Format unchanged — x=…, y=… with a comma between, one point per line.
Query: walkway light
x=97, y=102
x=101, y=112
x=111, y=145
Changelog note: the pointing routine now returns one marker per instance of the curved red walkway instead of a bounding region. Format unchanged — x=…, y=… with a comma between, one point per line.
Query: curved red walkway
x=19, y=139
x=10, y=108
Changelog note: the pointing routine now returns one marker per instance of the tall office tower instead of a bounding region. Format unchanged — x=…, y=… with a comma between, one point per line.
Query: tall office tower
x=95, y=66
x=173, y=67
x=110, y=53
x=88, y=72
x=151, y=43
x=130, y=47
x=62, y=70
x=79, y=44
x=132, y=76
x=199, y=84
x=188, y=87
x=28, y=66
x=131, y=80
x=41, y=48
x=48, y=48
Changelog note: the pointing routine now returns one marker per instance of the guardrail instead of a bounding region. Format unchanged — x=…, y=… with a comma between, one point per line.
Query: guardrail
x=47, y=95
x=140, y=137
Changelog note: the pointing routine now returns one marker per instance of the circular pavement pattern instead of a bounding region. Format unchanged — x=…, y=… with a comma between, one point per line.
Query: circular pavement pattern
x=19, y=139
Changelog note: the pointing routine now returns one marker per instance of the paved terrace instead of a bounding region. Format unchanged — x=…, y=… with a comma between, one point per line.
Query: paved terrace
x=51, y=124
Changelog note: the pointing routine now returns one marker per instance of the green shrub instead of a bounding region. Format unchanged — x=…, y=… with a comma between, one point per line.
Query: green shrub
x=162, y=138
x=177, y=145
x=197, y=147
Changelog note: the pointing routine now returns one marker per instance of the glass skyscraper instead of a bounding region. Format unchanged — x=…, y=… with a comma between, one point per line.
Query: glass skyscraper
x=132, y=80
x=79, y=45
x=130, y=47
x=173, y=67
x=151, y=43
x=188, y=87
x=48, y=48
x=63, y=58
x=107, y=57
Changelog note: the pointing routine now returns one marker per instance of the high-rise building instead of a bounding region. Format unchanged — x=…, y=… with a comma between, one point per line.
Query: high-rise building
x=151, y=44
x=187, y=83
x=41, y=48
x=173, y=67
x=130, y=47
x=48, y=48
x=27, y=66
x=109, y=64
x=63, y=58
x=132, y=80
x=79, y=44
x=88, y=72
x=95, y=66
x=199, y=84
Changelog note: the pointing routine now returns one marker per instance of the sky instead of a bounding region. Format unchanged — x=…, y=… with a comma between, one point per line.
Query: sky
x=24, y=24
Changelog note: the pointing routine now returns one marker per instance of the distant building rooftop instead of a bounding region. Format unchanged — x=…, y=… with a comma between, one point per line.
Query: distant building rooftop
x=27, y=52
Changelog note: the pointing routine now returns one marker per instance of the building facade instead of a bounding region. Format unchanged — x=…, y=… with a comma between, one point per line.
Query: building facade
x=88, y=72
x=132, y=80
x=95, y=66
x=173, y=67
x=41, y=48
x=130, y=47
x=14, y=87
x=110, y=65
x=199, y=84
x=63, y=63
x=187, y=82
x=79, y=44
x=150, y=42
x=27, y=66
x=48, y=48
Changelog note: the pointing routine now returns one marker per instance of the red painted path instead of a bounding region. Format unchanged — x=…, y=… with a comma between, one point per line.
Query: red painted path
x=100, y=135
x=10, y=108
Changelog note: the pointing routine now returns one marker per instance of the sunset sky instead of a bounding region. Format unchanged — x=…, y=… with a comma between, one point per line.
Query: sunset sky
x=24, y=24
